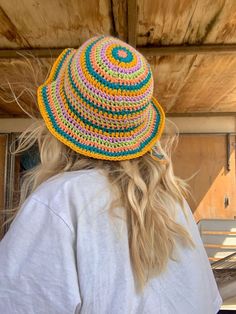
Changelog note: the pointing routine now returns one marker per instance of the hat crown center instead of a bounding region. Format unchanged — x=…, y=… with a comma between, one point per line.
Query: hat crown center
x=122, y=53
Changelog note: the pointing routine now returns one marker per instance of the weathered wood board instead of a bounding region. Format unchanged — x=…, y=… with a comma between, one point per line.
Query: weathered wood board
x=195, y=83
x=54, y=23
x=60, y=23
x=174, y=22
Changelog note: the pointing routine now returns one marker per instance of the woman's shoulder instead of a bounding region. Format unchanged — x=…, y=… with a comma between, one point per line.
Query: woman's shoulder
x=72, y=187
x=71, y=193
x=69, y=181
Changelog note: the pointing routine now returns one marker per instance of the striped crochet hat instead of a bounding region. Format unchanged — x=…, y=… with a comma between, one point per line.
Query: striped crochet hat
x=98, y=100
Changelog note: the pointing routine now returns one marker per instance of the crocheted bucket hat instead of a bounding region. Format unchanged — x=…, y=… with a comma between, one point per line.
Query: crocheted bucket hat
x=98, y=100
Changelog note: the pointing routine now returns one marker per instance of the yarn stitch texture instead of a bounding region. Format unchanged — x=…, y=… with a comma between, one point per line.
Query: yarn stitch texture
x=98, y=100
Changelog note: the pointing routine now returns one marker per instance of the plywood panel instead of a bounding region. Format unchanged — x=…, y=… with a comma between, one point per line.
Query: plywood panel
x=172, y=22
x=195, y=83
x=211, y=84
x=206, y=156
x=59, y=23
x=170, y=73
x=54, y=23
x=3, y=141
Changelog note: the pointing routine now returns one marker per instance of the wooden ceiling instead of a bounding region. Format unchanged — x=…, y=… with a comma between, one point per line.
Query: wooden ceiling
x=190, y=44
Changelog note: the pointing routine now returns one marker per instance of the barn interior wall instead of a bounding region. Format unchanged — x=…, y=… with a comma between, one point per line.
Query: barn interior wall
x=210, y=174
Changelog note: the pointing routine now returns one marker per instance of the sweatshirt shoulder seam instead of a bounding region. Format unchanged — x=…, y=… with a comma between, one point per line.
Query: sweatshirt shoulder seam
x=54, y=212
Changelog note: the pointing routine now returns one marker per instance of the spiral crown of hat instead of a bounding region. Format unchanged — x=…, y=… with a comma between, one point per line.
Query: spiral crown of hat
x=108, y=85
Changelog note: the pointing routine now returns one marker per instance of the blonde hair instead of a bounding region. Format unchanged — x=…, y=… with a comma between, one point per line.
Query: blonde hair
x=145, y=187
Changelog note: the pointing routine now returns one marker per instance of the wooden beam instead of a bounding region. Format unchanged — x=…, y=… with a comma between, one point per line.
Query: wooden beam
x=147, y=51
x=200, y=114
x=40, y=53
x=206, y=124
x=9, y=125
x=12, y=116
x=214, y=125
x=132, y=22
x=188, y=50
x=3, y=111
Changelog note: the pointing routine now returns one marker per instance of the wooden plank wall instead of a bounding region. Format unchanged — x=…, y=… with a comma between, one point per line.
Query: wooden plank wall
x=206, y=156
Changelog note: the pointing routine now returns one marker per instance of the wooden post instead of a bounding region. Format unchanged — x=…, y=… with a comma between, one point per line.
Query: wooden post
x=3, y=148
x=132, y=22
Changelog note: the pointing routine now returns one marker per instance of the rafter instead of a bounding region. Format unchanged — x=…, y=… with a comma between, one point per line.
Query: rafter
x=147, y=51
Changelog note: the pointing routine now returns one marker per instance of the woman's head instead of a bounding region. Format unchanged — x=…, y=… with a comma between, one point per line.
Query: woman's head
x=98, y=100
x=99, y=112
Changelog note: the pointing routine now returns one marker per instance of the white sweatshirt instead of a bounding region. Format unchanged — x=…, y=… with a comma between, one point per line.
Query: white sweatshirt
x=63, y=255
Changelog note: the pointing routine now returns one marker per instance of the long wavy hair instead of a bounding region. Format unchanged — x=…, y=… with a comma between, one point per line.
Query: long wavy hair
x=146, y=188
